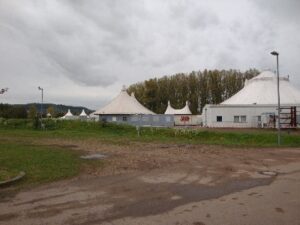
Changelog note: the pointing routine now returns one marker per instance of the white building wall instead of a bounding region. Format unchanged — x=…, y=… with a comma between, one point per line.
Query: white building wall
x=227, y=112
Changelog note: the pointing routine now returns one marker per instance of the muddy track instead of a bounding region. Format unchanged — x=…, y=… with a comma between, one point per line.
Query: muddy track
x=146, y=180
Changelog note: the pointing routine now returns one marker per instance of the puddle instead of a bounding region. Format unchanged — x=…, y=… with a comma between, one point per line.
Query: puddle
x=160, y=201
x=93, y=156
x=268, y=173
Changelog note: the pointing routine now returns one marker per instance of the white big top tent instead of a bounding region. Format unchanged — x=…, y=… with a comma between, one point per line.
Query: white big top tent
x=257, y=100
x=262, y=89
x=124, y=104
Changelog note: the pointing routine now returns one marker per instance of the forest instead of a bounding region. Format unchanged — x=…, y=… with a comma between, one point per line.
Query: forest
x=198, y=87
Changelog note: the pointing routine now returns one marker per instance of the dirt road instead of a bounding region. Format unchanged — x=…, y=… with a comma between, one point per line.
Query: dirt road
x=168, y=184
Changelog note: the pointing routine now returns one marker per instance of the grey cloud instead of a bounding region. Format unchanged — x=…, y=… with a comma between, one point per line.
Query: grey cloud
x=113, y=42
x=281, y=11
x=203, y=20
x=67, y=42
x=197, y=16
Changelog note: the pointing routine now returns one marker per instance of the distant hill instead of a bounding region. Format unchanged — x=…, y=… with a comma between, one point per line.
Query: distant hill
x=21, y=110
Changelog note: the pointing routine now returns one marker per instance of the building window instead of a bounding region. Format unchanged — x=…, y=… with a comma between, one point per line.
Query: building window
x=259, y=118
x=219, y=118
x=114, y=118
x=124, y=118
x=236, y=119
x=243, y=119
x=240, y=119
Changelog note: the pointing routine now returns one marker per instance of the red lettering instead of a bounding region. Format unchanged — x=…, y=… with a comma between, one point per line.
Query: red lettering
x=184, y=118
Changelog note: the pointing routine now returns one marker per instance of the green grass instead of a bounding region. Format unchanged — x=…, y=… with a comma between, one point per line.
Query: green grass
x=121, y=134
x=6, y=174
x=40, y=163
x=49, y=163
x=234, y=138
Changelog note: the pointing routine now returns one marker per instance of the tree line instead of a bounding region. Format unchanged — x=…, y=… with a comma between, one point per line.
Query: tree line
x=198, y=87
x=33, y=110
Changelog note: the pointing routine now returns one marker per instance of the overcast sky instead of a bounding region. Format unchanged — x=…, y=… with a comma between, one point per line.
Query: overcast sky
x=82, y=51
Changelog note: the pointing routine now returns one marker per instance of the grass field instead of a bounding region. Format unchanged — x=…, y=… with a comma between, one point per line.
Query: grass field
x=124, y=134
x=19, y=150
x=41, y=163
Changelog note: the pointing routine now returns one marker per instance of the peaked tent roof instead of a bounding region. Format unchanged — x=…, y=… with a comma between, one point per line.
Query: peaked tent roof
x=123, y=104
x=184, y=111
x=262, y=89
x=83, y=113
x=68, y=114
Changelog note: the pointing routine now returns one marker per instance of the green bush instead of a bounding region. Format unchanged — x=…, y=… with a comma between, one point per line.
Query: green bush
x=50, y=124
x=16, y=123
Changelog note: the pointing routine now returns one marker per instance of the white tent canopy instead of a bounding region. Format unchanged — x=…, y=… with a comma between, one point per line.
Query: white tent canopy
x=93, y=116
x=123, y=104
x=68, y=115
x=262, y=89
x=184, y=111
x=83, y=114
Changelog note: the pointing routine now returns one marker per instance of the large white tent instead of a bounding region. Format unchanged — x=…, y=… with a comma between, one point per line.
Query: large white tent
x=256, y=104
x=124, y=104
x=184, y=111
x=262, y=89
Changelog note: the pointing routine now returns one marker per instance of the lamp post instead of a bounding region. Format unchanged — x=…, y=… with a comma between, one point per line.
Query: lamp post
x=205, y=117
x=278, y=94
x=42, y=90
x=3, y=90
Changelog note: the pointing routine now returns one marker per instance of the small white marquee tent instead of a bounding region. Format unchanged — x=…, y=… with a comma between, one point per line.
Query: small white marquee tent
x=184, y=111
x=68, y=116
x=83, y=114
x=93, y=116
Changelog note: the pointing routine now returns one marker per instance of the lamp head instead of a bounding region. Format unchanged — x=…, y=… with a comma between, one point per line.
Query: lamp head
x=274, y=53
x=3, y=90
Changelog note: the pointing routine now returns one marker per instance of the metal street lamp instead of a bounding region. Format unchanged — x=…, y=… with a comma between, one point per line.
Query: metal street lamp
x=42, y=89
x=205, y=117
x=3, y=90
x=278, y=94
